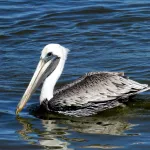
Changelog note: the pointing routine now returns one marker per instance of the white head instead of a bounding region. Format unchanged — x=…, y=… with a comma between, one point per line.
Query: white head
x=56, y=50
x=48, y=70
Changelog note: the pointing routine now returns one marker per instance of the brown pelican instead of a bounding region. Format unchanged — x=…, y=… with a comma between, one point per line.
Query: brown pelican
x=93, y=92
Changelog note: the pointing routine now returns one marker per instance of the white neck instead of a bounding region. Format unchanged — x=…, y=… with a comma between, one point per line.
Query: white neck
x=50, y=81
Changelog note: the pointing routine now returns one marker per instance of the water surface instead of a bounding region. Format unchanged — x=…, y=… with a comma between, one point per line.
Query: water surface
x=102, y=36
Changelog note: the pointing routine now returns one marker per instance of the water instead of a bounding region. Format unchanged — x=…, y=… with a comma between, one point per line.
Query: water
x=102, y=36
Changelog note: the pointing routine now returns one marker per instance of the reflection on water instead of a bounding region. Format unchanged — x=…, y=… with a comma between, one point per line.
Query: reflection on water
x=48, y=137
x=53, y=134
x=57, y=132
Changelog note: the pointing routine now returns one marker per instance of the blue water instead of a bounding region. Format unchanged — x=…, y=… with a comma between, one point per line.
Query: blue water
x=102, y=36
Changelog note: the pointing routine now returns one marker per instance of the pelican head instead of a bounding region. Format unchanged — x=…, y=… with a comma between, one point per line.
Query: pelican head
x=50, y=66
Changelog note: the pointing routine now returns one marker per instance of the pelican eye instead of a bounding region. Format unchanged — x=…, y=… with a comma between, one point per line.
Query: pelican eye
x=49, y=54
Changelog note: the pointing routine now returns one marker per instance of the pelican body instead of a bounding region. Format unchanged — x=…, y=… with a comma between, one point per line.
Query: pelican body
x=88, y=95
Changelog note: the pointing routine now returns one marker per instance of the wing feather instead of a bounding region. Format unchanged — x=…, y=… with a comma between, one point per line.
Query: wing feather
x=95, y=87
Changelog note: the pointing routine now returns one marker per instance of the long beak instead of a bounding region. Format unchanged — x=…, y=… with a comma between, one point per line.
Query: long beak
x=33, y=85
x=44, y=69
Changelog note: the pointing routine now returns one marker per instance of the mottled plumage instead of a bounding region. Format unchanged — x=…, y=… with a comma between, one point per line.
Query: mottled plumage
x=94, y=92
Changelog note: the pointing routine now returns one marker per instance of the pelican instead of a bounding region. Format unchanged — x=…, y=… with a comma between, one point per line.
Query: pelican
x=88, y=95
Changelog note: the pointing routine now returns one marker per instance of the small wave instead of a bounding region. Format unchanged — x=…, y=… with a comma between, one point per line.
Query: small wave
x=23, y=32
x=92, y=10
x=86, y=10
x=4, y=37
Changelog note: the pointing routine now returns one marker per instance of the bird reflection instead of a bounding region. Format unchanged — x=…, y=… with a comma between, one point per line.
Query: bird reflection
x=45, y=135
x=56, y=132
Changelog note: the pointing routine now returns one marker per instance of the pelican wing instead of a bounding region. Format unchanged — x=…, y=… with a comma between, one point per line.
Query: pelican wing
x=97, y=88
